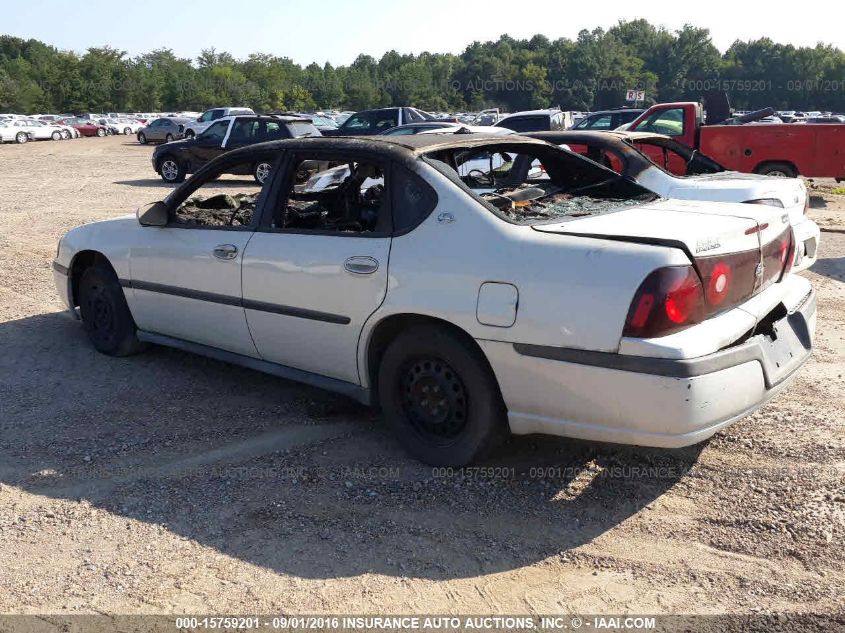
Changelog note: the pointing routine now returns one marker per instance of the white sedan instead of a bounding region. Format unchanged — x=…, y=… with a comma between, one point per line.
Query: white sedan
x=468, y=304
x=10, y=133
x=653, y=160
x=37, y=130
x=121, y=125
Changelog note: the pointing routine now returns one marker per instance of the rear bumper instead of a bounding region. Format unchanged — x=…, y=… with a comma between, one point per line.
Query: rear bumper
x=807, y=236
x=648, y=401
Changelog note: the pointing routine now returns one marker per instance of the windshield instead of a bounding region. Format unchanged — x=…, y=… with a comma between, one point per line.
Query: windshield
x=534, y=184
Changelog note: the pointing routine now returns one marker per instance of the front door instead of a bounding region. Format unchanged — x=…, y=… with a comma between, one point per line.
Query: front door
x=186, y=276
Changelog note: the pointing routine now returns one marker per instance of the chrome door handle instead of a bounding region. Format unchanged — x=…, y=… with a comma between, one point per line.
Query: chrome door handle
x=225, y=251
x=361, y=265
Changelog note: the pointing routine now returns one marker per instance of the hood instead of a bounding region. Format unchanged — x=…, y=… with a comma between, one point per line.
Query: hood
x=175, y=146
x=699, y=228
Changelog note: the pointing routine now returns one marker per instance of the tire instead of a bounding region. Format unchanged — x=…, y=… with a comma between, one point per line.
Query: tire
x=105, y=315
x=127, y=131
x=190, y=134
x=21, y=138
x=101, y=132
x=469, y=418
x=56, y=136
x=142, y=138
x=261, y=172
x=782, y=170
x=171, y=170
x=168, y=138
x=66, y=135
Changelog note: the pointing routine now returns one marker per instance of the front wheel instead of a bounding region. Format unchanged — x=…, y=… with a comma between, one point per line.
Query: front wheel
x=441, y=397
x=171, y=170
x=142, y=138
x=66, y=135
x=261, y=171
x=101, y=132
x=56, y=136
x=105, y=315
x=21, y=138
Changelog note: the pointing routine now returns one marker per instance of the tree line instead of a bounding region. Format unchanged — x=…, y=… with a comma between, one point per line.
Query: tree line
x=590, y=72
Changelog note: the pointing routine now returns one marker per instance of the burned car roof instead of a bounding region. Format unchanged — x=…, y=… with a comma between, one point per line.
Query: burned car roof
x=407, y=146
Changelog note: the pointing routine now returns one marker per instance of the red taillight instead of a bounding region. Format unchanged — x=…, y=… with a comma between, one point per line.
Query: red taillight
x=668, y=300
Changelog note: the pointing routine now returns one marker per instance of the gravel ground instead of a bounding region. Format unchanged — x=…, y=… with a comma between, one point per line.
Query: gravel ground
x=167, y=483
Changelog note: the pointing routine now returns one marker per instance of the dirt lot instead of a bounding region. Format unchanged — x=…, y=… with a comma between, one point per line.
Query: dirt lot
x=167, y=483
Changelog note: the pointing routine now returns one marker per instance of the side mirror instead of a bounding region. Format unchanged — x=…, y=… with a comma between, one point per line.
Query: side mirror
x=154, y=214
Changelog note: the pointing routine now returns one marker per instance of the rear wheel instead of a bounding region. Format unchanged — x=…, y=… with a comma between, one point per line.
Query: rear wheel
x=441, y=397
x=190, y=134
x=127, y=131
x=171, y=170
x=101, y=132
x=780, y=170
x=105, y=315
x=21, y=137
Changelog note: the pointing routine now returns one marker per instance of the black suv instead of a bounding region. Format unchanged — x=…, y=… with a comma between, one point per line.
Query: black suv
x=369, y=122
x=174, y=161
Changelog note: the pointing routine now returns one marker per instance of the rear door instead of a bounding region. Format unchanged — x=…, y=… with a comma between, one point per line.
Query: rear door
x=316, y=268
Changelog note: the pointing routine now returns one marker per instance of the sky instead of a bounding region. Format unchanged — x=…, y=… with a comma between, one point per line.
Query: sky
x=338, y=32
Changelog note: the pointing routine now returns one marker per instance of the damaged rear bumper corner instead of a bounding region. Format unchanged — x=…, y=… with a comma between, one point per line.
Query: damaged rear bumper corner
x=647, y=401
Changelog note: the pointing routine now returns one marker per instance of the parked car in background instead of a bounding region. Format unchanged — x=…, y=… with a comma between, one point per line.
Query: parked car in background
x=834, y=118
x=121, y=125
x=109, y=124
x=322, y=123
x=607, y=119
x=533, y=121
x=174, y=161
x=194, y=127
x=38, y=130
x=776, y=150
x=647, y=158
x=86, y=127
x=10, y=133
x=68, y=132
x=165, y=130
x=368, y=122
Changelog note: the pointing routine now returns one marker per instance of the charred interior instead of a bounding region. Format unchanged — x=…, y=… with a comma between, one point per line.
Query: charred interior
x=533, y=184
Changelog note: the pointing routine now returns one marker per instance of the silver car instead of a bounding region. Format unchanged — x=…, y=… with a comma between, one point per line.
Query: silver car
x=165, y=129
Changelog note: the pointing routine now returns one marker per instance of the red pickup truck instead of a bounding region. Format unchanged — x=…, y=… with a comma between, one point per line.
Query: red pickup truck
x=813, y=150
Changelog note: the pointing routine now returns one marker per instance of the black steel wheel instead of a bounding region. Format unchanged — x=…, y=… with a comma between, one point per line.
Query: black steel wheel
x=434, y=399
x=438, y=392
x=105, y=315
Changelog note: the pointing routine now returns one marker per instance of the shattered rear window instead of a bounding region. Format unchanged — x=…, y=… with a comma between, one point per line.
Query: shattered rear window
x=533, y=204
x=535, y=184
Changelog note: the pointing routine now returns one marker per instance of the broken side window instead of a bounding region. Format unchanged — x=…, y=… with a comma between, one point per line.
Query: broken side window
x=337, y=195
x=228, y=200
